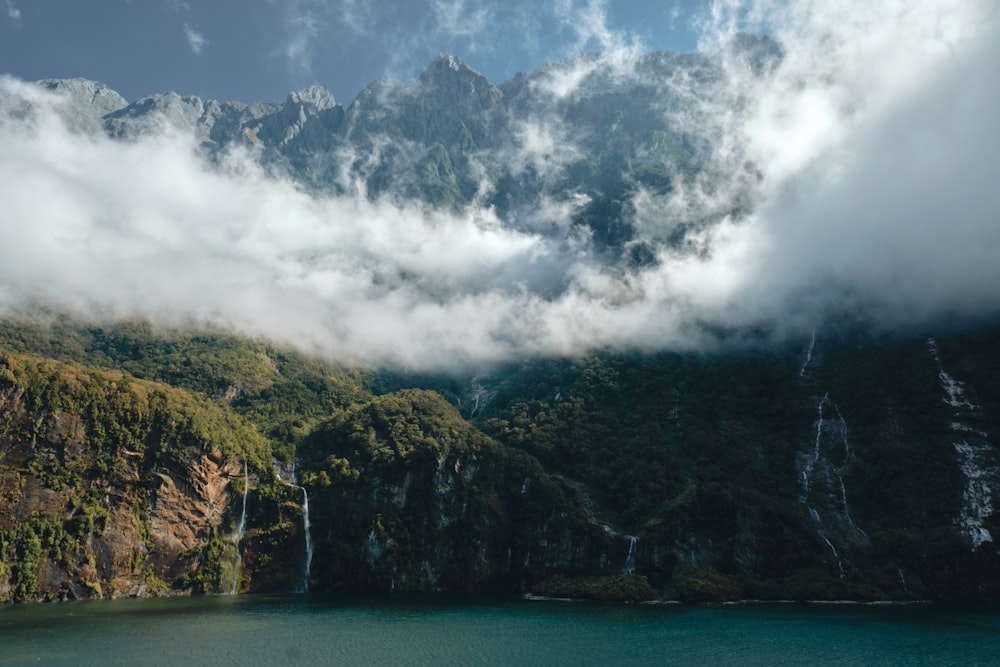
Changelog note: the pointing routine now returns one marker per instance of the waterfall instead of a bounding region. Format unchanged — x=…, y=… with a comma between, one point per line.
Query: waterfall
x=304, y=585
x=289, y=471
x=836, y=554
x=237, y=536
x=974, y=453
x=819, y=425
x=478, y=396
x=241, y=527
x=807, y=473
x=843, y=433
x=822, y=462
x=847, y=510
x=952, y=387
x=809, y=355
x=630, y=558
x=821, y=480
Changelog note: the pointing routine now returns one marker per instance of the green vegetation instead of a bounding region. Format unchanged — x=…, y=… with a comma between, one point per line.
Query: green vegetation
x=436, y=504
x=618, y=588
x=700, y=456
x=101, y=418
x=693, y=584
x=207, y=577
x=84, y=446
x=283, y=392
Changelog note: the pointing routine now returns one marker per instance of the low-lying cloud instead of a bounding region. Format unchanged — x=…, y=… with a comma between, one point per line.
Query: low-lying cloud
x=865, y=162
x=874, y=143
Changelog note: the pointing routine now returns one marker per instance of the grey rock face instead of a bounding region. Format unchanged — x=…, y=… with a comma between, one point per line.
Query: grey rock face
x=86, y=102
x=585, y=129
x=85, y=94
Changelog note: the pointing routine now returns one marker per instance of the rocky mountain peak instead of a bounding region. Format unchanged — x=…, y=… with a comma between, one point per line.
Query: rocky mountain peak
x=87, y=94
x=86, y=102
x=315, y=98
x=447, y=68
x=147, y=113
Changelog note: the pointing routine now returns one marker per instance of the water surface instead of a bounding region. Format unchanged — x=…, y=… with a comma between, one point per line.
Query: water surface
x=300, y=629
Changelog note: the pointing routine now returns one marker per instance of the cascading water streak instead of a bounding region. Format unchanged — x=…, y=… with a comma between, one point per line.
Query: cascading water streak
x=974, y=453
x=836, y=554
x=630, y=558
x=306, y=528
x=809, y=355
x=822, y=491
x=241, y=527
x=287, y=476
x=237, y=536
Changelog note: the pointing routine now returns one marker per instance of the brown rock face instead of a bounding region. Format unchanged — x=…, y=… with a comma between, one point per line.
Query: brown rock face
x=111, y=486
x=189, y=499
x=135, y=541
x=125, y=531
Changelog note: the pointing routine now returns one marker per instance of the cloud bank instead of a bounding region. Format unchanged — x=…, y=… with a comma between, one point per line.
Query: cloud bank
x=874, y=142
x=865, y=161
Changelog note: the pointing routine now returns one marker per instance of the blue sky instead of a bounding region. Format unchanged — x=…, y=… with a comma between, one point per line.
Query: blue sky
x=250, y=50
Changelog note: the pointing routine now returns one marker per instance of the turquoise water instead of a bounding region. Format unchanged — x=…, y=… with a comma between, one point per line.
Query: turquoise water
x=266, y=630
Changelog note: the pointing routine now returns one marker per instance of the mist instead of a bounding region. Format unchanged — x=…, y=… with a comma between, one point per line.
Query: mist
x=863, y=163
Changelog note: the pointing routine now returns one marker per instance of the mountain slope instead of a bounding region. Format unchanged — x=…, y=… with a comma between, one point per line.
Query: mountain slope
x=542, y=240
x=838, y=469
x=111, y=486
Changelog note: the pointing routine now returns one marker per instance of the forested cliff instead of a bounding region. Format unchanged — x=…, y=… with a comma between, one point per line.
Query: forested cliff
x=847, y=467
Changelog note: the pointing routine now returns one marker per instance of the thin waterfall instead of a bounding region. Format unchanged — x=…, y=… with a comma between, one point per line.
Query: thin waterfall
x=836, y=554
x=822, y=492
x=307, y=570
x=974, y=452
x=809, y=355
x=241, y=527
x=630, y=558
x=237, y=536
x=287, y=476
x=807, y=472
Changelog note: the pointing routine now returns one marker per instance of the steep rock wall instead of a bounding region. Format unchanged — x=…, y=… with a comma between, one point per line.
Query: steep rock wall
x=109, y=487
x=411, y=498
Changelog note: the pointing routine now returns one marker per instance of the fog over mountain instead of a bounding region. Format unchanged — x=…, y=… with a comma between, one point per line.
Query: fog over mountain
x=840, y=166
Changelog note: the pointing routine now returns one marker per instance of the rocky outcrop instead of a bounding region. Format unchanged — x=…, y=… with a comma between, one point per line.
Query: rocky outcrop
x=103, y=503
x=190, y=498
x=86, y=102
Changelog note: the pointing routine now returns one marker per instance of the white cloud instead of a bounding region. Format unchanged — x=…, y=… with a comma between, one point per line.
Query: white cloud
x=463, y=19
x=12, y=10
x=302, y=27
x=356, y=15
x=871, y=140
x=149, y=227
x=306, y=20
x=543, y=146
x=472, y=27
x=195, y=39
x=590, y=23
x=863, y=167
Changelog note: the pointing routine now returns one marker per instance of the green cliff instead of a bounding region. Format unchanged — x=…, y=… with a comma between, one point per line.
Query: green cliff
x=165, y=462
